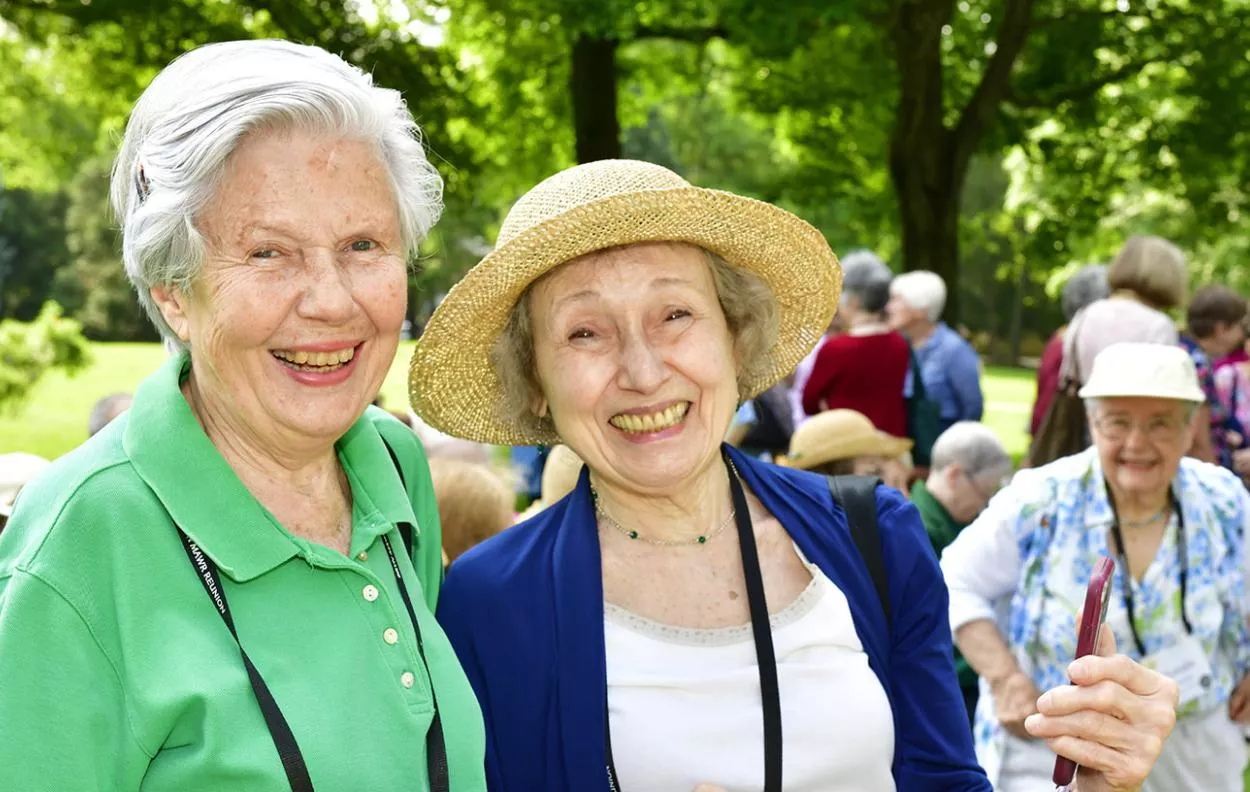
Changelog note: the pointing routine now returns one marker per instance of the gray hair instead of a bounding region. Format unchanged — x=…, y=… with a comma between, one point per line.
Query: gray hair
x=923, y=291
x=866, y=278
x=105, y=410
x=973, y=446
x=195, y=114
x=1087, y=285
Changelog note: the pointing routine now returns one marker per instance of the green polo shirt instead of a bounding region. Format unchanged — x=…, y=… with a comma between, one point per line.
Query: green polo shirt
x=942, y=530
x=117, y=673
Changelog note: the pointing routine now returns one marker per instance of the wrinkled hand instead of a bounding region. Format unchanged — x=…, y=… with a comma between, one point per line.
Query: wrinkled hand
x=1241, y=461
x=1239, y=703
x=1112, y=720
x=1015, y=698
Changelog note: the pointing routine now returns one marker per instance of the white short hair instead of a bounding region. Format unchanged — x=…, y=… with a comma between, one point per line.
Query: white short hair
x=922, y=290
x=974, y=447
x=196, y=112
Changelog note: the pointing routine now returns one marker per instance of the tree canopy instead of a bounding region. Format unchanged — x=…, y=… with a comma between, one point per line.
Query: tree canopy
x=1001, y=143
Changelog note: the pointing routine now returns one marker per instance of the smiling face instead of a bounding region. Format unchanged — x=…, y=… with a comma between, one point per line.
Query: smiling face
x=1140, y=442
x=294, y=319
x=636, y=363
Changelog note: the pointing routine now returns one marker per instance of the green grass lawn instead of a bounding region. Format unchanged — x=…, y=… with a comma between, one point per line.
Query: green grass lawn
x=54, y=419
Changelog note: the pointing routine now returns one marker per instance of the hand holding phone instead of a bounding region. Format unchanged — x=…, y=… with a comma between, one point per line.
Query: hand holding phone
x=1097, y=595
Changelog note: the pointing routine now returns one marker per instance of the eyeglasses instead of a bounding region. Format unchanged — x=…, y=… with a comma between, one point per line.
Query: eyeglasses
x=982, y=493
x=1159, y=429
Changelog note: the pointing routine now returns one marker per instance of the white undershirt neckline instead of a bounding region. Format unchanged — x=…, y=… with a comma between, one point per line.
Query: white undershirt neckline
x=685, y=702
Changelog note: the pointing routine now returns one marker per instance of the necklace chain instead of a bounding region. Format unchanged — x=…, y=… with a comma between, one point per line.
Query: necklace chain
x=632, y=534
x=1146, y=520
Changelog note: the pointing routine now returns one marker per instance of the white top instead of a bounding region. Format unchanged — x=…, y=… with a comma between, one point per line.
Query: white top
x=685, y=709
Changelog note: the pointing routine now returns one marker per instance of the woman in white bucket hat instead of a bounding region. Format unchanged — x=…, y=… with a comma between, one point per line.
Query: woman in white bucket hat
x=1174, y=526
x=686, y=606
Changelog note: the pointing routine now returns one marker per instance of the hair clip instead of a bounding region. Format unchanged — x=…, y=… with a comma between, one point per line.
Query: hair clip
x=141, y=183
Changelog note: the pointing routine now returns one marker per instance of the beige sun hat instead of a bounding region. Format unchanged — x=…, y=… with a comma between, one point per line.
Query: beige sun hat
x=1132, y=369
x=840, y=434
x=592, y=207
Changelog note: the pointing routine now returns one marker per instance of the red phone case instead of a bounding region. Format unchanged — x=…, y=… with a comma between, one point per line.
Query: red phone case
x=1097, y=595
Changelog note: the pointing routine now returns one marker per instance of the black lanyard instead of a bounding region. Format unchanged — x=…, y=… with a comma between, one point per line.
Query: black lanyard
x=283, y=739
x=1122, y=558
x=761, y=628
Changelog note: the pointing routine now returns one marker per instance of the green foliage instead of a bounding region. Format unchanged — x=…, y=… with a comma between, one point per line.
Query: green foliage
x=1113, y=118
x=94, y=288
x=32, y=249
x=30, y=350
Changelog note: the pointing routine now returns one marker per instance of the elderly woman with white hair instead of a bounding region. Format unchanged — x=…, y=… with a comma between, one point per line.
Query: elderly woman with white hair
x=232, y=585
x=950, y=369
x=1173, y=525
x=690, y=615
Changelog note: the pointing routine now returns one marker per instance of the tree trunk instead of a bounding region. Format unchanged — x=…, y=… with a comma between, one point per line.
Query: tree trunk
x=593, y=88
x=928, y=160
x=929, y=218
x=921, y=150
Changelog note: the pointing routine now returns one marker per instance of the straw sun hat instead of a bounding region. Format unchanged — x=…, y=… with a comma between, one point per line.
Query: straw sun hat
x=839, y=434
x=592, y=207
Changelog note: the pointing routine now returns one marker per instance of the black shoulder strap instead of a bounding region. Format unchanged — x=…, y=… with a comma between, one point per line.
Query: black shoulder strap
x=405, y=530
x=857, y=495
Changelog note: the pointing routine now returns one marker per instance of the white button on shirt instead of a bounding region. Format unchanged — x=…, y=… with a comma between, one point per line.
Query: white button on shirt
x=390, y=636
x=369, y=592
x=407, y=679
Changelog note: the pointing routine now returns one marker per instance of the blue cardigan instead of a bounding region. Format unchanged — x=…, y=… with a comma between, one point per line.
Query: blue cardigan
x=524, y=611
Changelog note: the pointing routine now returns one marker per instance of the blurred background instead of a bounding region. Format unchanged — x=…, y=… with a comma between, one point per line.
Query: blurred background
x=1001, y=143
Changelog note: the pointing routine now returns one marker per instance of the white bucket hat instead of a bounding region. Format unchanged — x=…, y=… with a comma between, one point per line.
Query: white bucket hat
x=1156, y=371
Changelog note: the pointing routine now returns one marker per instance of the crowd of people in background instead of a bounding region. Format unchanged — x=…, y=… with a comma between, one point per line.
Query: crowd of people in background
x=496, y=673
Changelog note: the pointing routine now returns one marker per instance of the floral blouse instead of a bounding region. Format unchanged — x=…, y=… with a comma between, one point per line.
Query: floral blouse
x=1026, y=562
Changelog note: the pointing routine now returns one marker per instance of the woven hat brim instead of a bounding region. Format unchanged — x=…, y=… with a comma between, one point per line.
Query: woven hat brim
x=451, y=382
x=836, y=448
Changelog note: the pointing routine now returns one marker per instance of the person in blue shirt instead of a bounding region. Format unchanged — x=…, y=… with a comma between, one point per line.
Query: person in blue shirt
x=689, y=616
x=949, y=365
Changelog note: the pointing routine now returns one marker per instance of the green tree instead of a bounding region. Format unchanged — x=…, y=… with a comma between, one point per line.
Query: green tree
x=30, y=350
x=94, y=288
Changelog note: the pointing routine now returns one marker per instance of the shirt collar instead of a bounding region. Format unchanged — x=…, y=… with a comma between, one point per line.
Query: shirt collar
x=209, y=503
x=931, y=507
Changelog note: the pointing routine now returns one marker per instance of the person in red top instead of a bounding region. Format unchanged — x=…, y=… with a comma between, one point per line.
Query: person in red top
x=1086, y=286
x=864, y=368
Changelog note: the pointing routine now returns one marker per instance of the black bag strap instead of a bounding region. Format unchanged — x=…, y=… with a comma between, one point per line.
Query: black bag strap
x=279, y=730
x=435, y=743
x=283, y=738
x=918, y=391
x=857, y=495
x=761, y=631
x=405, y=530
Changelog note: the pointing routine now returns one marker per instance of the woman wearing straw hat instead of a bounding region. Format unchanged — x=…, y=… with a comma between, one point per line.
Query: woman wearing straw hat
x=665, y=624
x=1173, y=524
x=844, y=442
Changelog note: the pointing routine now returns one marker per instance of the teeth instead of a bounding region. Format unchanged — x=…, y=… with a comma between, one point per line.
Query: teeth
x=640, y=424
x=302, y=358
